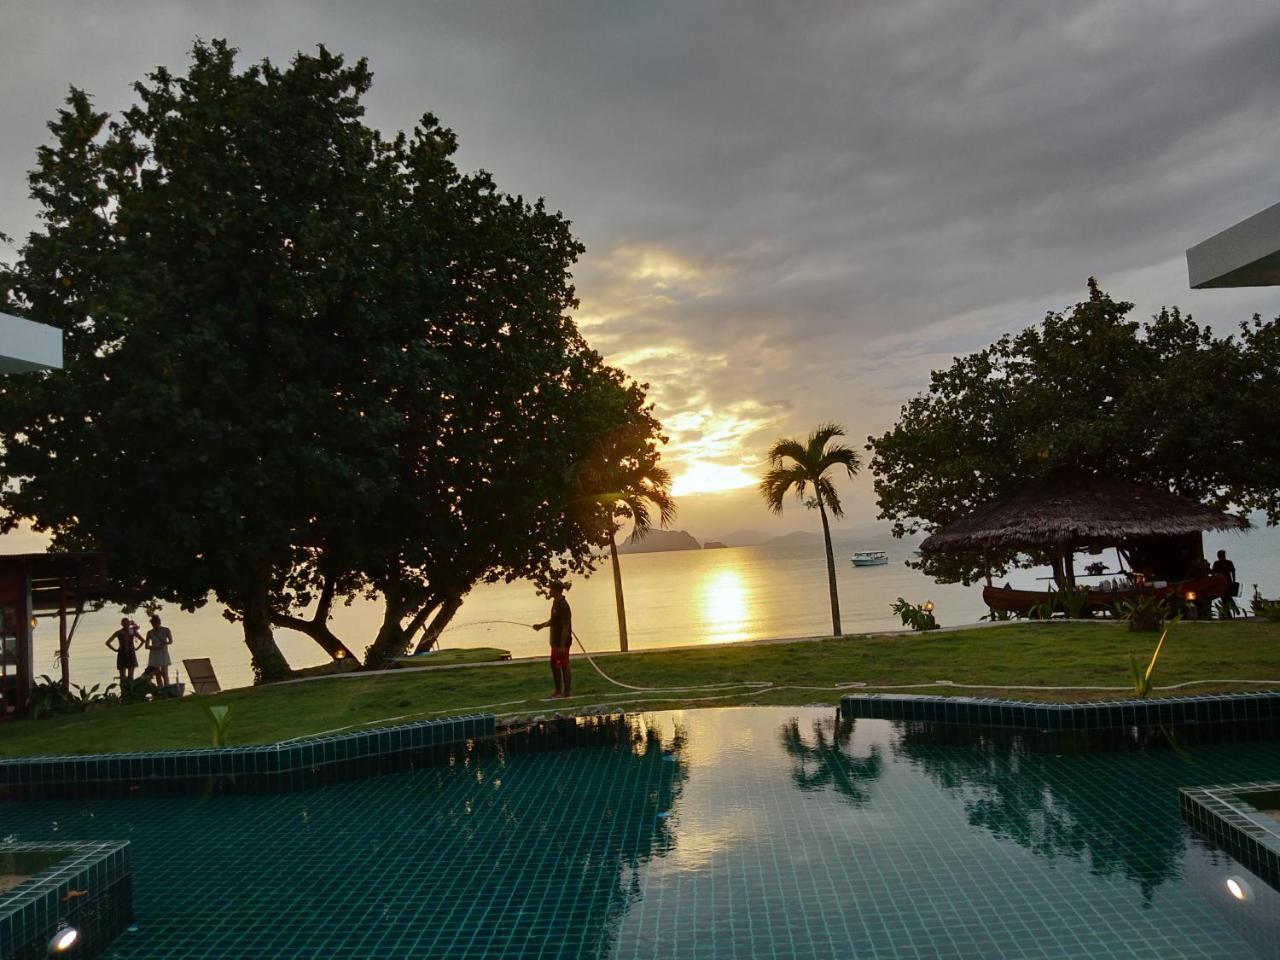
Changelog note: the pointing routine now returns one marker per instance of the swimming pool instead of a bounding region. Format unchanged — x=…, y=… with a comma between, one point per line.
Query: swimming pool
x=748, y=832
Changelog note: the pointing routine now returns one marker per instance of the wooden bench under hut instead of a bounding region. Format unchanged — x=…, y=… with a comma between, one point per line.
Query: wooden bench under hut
x=1157, y=536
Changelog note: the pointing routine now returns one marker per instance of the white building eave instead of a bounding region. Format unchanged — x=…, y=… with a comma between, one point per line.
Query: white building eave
x=26, y=345
x=1246, y=255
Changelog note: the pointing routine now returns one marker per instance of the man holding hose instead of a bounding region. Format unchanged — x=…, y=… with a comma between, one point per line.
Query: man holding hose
x=561, y=624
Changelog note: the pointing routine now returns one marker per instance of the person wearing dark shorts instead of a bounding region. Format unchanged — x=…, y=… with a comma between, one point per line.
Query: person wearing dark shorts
x=1224, y=567
x=126, y=643
x=561, y=624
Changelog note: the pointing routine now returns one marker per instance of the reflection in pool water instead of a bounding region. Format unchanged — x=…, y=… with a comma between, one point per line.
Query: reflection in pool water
x=728, y=833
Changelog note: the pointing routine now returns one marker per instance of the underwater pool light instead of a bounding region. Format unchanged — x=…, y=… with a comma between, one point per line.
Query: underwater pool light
x=1239, y=888
x=63, y=939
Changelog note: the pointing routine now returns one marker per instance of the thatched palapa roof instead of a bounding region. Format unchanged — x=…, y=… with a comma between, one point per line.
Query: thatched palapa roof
x=1077, y=509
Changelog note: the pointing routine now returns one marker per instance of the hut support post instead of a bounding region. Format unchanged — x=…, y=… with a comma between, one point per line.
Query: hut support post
x=1069, y=567
x=64, y=659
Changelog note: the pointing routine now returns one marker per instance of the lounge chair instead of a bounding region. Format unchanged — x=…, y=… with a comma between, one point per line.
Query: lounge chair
x=200, y=673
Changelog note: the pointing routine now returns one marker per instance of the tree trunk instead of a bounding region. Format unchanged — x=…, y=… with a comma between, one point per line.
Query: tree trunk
x=269, y=664
x=1055, y=565
x=391, y=640
x=831, y=571
x=317, y=628
x=617, y=593
x=442, y=618
x=319, y=632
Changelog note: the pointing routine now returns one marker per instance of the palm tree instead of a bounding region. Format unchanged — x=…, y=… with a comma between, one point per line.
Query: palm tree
x=803, y=466
x=625, y=479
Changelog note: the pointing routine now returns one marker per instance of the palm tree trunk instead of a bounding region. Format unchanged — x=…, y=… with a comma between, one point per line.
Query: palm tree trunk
x=831, y=571
x=617, y=593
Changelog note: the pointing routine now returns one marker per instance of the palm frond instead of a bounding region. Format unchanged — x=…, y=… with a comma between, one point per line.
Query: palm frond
x=784, y=449
x=818, y=440
x=809, y=462
x=842, y=456
x=640, y=519
x=827, y=490
x=776, y=483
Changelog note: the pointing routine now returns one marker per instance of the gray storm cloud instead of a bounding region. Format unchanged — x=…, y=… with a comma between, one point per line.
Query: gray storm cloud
x=791, y=210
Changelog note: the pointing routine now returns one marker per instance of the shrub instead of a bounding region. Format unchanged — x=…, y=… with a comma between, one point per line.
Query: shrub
x=49, y=699
x=1147, y=612
x=1268, y=610
x=917, y=618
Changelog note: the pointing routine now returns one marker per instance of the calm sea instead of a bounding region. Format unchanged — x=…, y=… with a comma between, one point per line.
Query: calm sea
x=687, y=597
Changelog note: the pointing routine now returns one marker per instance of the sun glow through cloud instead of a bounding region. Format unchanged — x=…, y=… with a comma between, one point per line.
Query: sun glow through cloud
x=703, y=477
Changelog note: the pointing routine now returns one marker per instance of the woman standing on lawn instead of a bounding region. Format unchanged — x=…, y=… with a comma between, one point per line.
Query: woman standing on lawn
x=159, y=640
x=126, y=647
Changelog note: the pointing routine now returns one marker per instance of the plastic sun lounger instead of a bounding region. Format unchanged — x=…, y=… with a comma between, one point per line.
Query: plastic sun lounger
x=200, y=673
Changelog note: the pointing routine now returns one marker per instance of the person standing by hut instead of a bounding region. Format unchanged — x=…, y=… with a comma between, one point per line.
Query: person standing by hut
x=159, y=640
x=1226, y=568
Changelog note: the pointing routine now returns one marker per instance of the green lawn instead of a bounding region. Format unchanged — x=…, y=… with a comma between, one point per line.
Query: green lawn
x=1022, y=654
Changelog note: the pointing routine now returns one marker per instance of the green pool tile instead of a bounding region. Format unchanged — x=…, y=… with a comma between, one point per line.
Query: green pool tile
x=764, y=837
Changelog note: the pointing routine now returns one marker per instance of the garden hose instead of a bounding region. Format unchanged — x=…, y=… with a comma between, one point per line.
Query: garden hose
x=744, y=688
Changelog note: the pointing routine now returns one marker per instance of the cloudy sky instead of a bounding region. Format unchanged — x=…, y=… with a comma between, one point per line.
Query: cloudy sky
x=793, y=210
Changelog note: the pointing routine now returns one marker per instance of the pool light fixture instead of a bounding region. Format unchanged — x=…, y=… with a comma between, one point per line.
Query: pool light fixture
x=63, y=939
x=1239, y=888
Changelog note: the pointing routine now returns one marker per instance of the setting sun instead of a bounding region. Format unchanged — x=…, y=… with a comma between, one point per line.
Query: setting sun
x=704, y=477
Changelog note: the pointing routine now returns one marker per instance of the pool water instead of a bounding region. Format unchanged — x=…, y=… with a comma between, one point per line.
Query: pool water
x=735, y=833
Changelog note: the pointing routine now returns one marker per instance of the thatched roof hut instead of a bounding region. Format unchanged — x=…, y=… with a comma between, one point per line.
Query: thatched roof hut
x=1077, y=511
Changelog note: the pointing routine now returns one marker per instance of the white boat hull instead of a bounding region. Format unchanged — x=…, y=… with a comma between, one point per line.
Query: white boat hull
x=875, y=559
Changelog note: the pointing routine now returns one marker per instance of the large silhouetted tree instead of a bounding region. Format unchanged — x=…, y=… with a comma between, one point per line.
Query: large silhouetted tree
x=1166, y=403
x=302, y=362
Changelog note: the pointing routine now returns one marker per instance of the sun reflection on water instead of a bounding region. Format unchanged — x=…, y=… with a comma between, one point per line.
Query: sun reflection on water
x=725, y=602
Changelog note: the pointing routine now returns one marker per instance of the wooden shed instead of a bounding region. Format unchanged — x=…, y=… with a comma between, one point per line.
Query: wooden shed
x=36, y=587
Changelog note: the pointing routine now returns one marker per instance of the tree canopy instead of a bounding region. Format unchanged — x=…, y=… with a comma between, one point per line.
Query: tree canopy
x=1164, y=402
x=301, y=361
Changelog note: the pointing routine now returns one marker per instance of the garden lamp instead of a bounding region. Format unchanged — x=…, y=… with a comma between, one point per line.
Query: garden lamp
x=928, y=606
x=1239, y=888
x=63, y=940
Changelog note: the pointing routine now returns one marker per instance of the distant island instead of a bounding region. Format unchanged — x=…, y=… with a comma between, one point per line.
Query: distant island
x=663, y=541
x=660, y=541
x=797, y=537
x=744, y=538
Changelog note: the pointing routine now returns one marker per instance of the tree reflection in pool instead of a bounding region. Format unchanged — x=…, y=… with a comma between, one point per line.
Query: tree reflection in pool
x=725, y=833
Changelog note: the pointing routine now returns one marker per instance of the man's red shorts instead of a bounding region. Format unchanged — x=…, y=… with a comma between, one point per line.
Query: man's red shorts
x=559, y=656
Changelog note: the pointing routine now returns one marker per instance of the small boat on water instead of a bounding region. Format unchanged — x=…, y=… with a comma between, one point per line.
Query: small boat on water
x=1204, y=588
x=869, y=558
